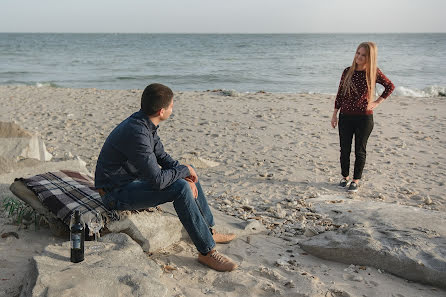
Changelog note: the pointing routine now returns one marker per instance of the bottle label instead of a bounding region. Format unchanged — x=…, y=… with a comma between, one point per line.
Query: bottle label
x=75, y=241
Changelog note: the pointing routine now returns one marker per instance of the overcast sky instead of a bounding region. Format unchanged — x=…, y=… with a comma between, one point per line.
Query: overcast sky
x=223, y=16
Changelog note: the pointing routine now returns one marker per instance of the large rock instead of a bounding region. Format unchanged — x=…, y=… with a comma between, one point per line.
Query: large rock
x=152, y=230
x=406, y=241
x=119, y=269
x=17, y=143
x=156, y=230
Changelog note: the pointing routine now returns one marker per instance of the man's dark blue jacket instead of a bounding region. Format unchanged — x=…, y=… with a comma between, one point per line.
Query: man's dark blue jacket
x=133, y=151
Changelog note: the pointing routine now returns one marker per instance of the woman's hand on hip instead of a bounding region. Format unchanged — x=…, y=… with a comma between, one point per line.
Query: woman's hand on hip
x=374, y=104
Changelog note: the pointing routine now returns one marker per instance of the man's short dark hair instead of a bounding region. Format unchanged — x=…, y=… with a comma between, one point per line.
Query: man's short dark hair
x=155, y=97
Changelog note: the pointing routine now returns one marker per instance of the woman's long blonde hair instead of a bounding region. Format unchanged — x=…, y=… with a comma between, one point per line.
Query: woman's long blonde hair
x=370, y=70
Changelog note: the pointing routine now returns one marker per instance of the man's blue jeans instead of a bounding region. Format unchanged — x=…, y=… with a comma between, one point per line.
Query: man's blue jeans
x=194, y=214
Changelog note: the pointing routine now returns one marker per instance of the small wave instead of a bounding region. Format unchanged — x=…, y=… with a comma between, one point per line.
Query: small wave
x=126, y=78
x=46, y=85
x=8, y=73
x=431, y=91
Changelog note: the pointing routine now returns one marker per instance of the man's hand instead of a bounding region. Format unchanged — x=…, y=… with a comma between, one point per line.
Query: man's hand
x=193, y=175
x=194, y=189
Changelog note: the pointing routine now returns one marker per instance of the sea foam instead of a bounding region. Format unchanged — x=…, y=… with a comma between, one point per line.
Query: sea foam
x=431, y=91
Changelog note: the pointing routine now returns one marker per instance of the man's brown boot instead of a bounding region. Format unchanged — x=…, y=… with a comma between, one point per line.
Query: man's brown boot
x=222, y=238
x=217, y=261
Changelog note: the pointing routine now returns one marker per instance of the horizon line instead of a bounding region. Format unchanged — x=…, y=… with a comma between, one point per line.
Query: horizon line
x=218, y=33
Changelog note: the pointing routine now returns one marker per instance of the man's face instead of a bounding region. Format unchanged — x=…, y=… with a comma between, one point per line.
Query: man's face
x=166, y=112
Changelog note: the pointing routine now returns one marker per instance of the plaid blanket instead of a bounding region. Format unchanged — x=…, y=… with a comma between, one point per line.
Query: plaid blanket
x=63, y=192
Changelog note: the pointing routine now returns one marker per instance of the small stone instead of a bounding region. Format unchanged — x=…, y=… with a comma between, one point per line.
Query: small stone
x=282, y=262
x=428, y=200
x=68, y=155
x=280, y=214
x=227, y=202
x=314, y=195
x=248, y=207
x=310, y=232
x=352, y=277
x=417, y=198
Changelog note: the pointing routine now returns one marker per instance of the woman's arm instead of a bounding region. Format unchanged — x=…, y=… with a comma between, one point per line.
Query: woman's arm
x=388, y=89
x=339, y=95
x=338, y=100
x=334, y=118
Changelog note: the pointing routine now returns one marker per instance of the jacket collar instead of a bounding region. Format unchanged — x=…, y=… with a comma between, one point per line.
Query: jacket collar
x=142, y=116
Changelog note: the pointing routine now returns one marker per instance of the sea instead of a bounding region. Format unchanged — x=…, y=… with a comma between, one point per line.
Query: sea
x=285, y=63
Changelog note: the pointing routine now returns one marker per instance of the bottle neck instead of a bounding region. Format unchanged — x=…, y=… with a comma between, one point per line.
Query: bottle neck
x=77, y=217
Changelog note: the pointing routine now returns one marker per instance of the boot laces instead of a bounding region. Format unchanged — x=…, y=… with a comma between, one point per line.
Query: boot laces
x=218, y=257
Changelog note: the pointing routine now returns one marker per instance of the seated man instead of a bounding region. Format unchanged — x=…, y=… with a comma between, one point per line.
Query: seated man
x=134, y=172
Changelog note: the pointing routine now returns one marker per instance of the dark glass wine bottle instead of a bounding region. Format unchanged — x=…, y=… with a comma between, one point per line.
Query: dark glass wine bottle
x=77, y=236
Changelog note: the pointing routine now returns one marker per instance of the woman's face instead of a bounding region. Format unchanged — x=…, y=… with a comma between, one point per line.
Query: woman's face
x=361, y=57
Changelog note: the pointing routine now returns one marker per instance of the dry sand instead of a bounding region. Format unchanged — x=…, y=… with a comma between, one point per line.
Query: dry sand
x=271, y=147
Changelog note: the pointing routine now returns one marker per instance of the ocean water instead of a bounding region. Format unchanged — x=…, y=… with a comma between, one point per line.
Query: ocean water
x=297, y=63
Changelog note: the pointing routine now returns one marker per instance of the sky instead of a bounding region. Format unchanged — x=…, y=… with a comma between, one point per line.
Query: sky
x=223, y=16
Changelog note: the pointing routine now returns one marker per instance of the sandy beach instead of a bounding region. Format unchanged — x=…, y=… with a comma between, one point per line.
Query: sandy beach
x=273, y=150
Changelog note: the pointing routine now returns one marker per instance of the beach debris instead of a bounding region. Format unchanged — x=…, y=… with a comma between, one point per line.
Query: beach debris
x=270, y=273
x=285, y=219
x=280, y=213
x=314, y=195
x=352, y=277
x=283, y=261
x=230, y=93
x=8, y=234
x=169, y=268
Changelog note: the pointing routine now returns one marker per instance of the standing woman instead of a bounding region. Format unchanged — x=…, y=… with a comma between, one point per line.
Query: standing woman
x=355, y=101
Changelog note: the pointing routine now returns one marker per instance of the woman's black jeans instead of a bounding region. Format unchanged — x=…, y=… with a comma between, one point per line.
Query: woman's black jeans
x=360, y=126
